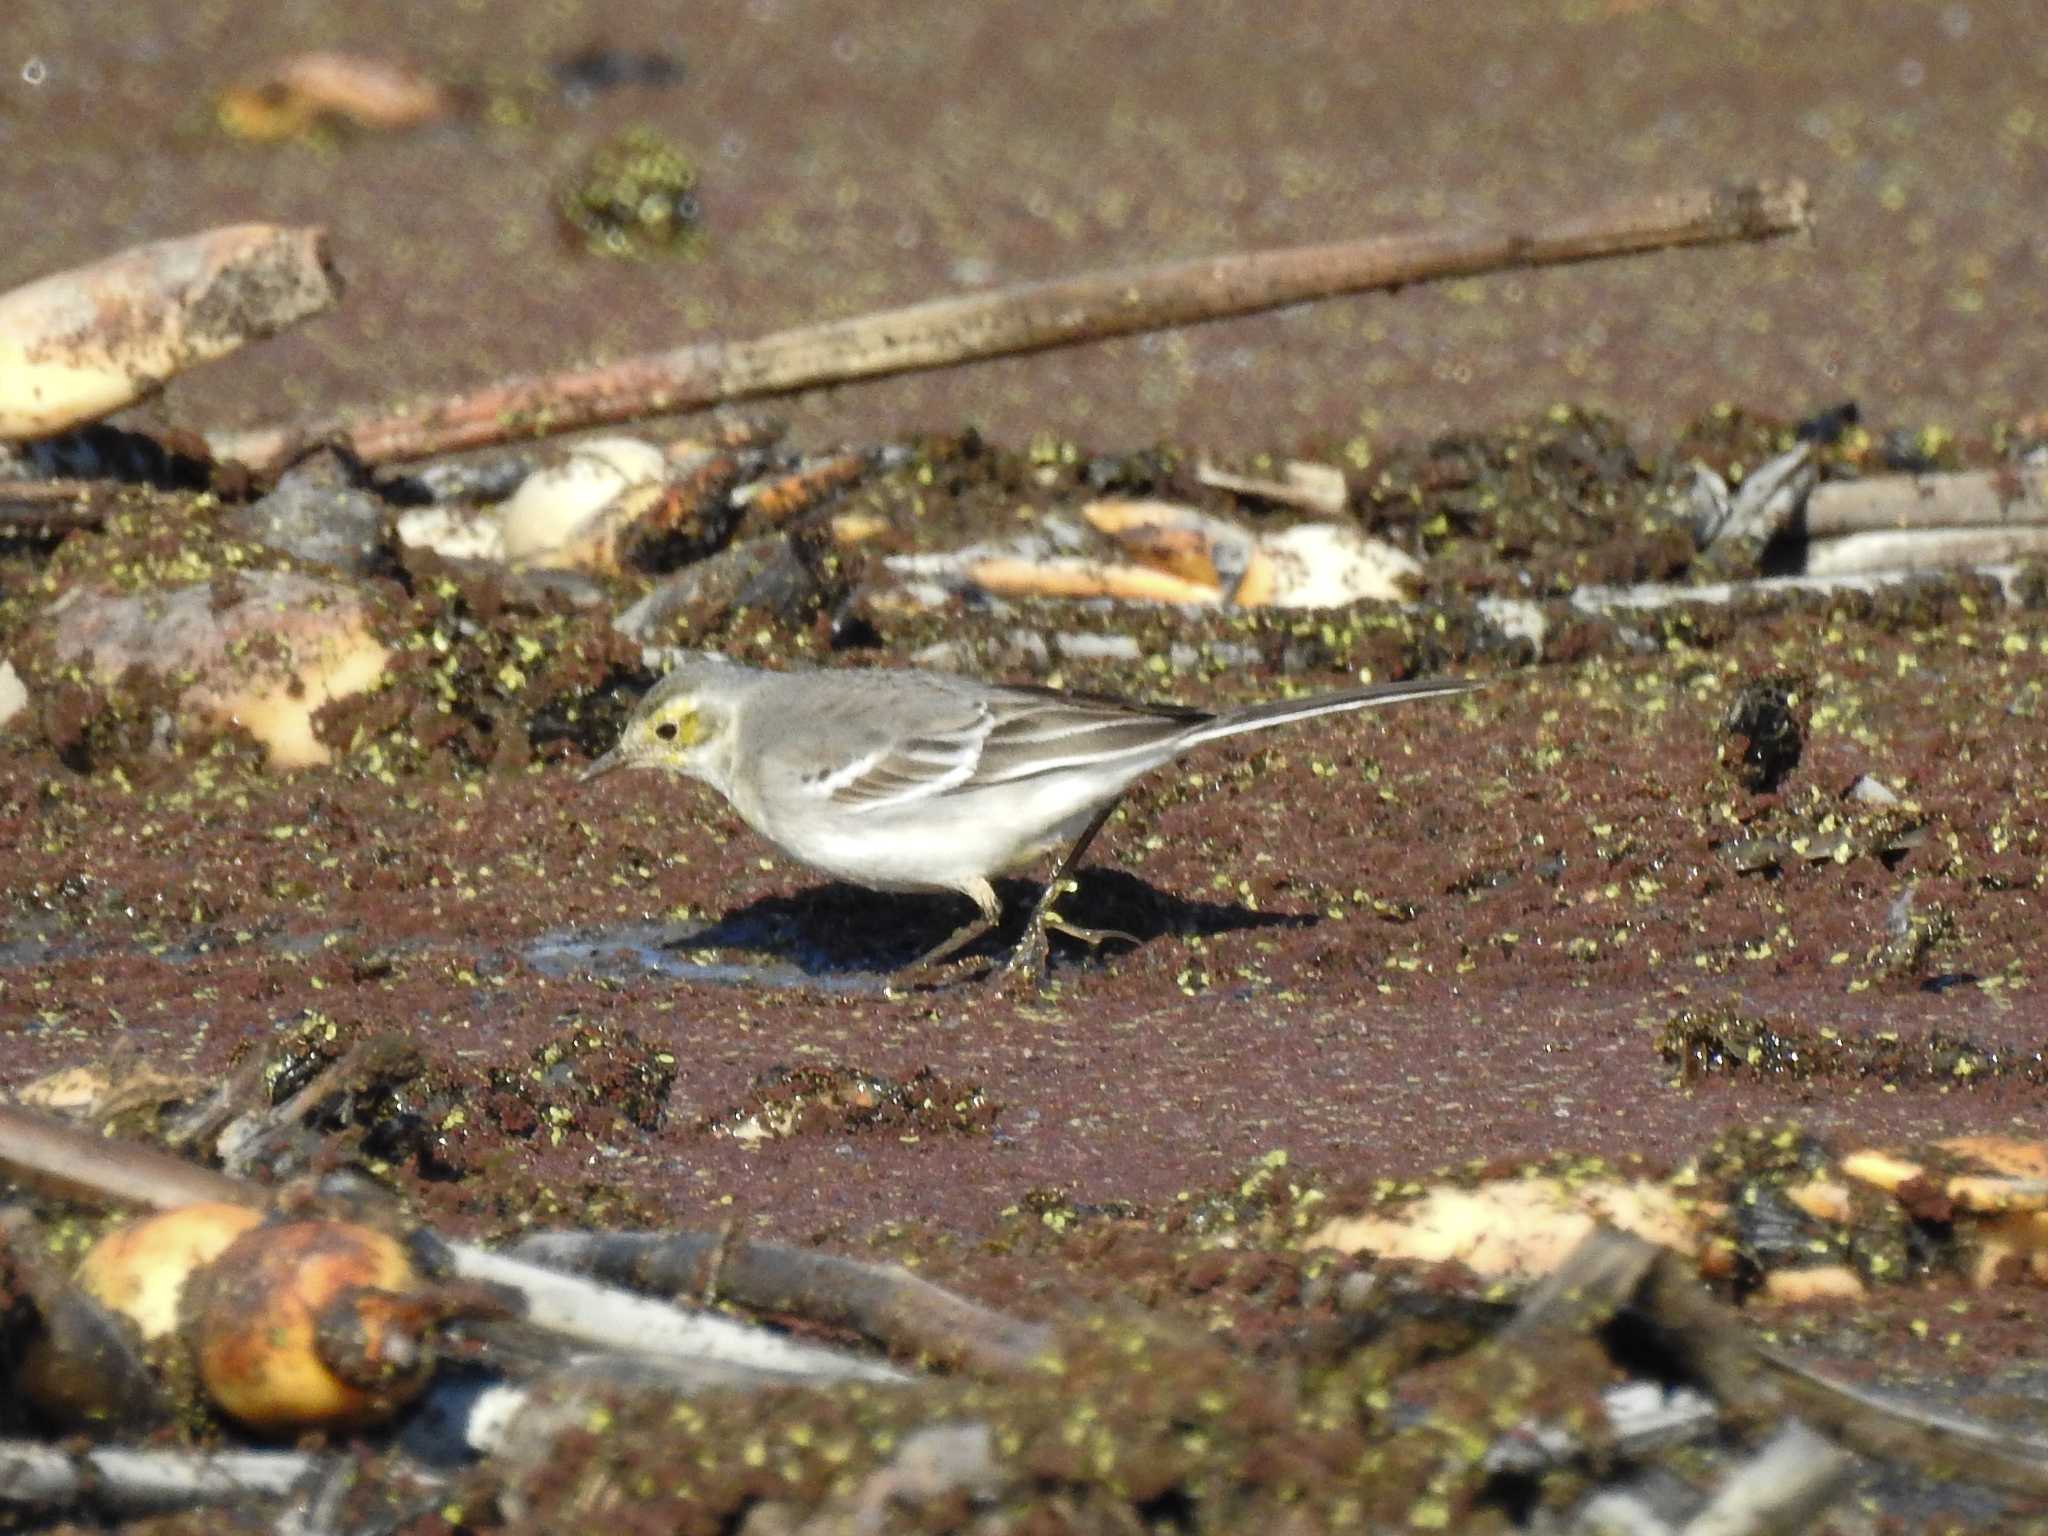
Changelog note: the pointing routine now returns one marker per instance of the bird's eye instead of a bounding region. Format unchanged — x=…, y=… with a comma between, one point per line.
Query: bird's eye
x=666, y=730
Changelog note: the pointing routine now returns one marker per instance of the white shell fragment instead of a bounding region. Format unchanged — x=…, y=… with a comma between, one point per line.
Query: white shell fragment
x=13, y=694
x=1517, y=619
x=566, y=517
x=78, y=345
x=455, y=533
x=1326, y=565
x=1166, y=552
x=266, y=661
x=552, y=507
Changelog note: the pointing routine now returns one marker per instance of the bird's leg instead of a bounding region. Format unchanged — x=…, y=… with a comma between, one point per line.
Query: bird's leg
x=984, y=897
x=1029, y=957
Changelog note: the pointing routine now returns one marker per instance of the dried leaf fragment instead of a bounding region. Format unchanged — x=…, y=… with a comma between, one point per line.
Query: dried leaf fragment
x=299, y=93
x=1316, y=564
x=1076, y=577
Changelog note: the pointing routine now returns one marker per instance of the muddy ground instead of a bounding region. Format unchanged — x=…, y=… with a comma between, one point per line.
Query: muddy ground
x=1595, y=914
x=1451, y=930
x=859, y=153
x=1621, y=909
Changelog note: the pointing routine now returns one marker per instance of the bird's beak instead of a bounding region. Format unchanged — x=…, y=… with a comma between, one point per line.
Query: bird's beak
x=609, y=763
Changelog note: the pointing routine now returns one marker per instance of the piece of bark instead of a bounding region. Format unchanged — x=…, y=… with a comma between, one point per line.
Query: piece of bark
x=1027, y=318
x=52, y=506
x=1764, y=1384
x=1780, y=1491
x=1991, y=498
x=1932, y=549
x=1650, y=596
x=1319, y=488
x=78, y=345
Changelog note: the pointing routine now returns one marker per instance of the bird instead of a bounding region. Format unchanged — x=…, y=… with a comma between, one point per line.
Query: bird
x=900, y=779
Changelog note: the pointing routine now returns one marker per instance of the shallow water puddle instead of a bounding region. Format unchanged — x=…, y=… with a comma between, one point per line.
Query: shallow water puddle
x=684, y=951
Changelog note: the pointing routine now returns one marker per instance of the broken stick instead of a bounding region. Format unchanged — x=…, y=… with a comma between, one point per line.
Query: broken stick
x=1027, y=318
x=1924, y=549
x=880, y=1301
x=1989, y=498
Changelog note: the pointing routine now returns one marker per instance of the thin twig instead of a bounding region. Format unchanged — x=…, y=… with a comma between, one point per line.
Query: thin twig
x=606, y=1317
x=1764, y=1384
x=263, y=1139
x=879, y=1301
x=64, y=1160
x=56, y=506
x=123, y=1482
x=1027, y=318
x=1594, y=1282
x=1650, y=596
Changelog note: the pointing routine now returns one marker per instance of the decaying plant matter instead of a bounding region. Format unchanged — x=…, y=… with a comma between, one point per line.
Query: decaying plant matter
x=559, y=1354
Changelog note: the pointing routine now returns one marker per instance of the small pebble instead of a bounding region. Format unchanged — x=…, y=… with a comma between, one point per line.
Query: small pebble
x=1869, y=791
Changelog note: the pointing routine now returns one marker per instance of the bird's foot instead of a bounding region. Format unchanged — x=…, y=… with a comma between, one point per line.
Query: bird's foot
x=929, y=975
x=1028, y=962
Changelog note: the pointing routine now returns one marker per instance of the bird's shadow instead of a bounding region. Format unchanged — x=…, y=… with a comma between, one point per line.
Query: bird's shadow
x=837, y=928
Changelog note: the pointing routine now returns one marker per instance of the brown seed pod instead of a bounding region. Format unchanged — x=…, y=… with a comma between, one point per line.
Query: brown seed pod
x=310, y=1324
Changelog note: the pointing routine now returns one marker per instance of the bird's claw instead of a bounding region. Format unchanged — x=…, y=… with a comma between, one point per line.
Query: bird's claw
x=1092, y=937
x=1027, y=962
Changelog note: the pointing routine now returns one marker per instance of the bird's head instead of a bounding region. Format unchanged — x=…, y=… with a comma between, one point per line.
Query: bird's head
x=684, y=725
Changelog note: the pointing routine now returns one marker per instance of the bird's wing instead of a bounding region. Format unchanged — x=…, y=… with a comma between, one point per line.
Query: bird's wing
x=939, y=753
x=998, y=736
x=1039, y=730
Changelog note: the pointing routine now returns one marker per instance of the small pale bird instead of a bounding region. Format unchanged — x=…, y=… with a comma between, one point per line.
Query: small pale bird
x=903, y=780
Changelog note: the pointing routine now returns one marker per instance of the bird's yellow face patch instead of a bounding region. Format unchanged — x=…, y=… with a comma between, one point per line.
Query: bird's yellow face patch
x=674, y=727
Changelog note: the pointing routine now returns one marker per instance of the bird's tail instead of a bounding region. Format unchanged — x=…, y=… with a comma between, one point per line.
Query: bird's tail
x=1256, y=717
